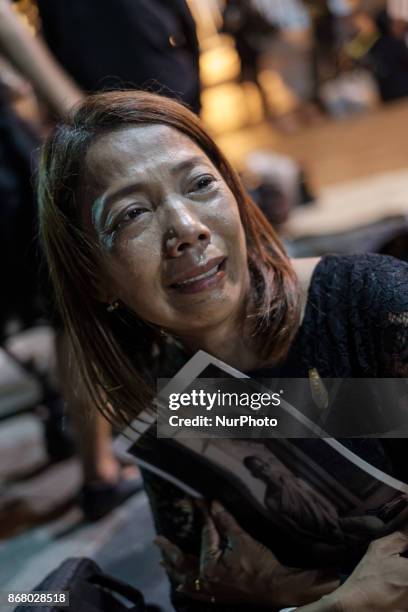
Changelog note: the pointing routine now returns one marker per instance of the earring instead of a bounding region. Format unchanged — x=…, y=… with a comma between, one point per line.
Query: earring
x=113, y=306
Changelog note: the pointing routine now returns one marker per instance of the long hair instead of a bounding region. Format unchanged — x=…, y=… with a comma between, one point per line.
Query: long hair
x=113, y=351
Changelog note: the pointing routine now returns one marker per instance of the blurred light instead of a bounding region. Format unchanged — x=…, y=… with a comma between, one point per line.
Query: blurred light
x=224, y=108
x=219, y=63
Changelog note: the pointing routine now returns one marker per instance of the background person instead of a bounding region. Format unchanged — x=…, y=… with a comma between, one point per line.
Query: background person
x=106, y=482
x=152, y=44
x=148, y=44
x=295, y=501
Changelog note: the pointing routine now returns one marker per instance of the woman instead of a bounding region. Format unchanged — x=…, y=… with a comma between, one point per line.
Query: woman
x=149, y=235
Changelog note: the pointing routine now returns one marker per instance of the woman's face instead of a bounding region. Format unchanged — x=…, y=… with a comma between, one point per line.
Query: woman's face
x=168, y=228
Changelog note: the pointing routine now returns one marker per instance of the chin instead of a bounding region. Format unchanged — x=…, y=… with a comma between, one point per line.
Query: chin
x=209, y=312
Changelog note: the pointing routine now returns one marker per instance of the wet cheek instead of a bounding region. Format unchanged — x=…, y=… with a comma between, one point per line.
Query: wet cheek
x=222, y=217
x=227, y=223
x=235, y=249
x=136, y=271
x=228, y=211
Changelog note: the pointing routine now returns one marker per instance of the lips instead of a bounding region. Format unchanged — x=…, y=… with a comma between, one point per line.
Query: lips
x=199, y=276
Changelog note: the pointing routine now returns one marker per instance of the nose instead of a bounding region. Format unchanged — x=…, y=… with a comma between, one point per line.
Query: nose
x=184, y=231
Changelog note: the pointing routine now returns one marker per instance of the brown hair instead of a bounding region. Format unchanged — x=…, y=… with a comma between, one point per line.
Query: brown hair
x=115, y=372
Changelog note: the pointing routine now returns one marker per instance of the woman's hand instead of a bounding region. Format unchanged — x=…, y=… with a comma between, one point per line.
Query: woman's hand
x=235, y=568
x=380, y=581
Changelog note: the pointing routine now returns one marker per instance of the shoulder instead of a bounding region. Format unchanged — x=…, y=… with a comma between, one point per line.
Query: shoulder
x=378, y=283
x=356, y=314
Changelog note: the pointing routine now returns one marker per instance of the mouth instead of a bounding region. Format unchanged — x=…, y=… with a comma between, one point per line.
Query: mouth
x=202, y=278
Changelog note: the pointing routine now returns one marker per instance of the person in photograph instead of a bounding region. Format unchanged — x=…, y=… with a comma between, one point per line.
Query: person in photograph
x=295, y=502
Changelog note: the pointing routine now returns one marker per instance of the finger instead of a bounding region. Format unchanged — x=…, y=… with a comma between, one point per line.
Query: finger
x=210, y=547
x=179, y=578
x=210, y=538
x=224, y=520
x=171, y=553
x=392, y=544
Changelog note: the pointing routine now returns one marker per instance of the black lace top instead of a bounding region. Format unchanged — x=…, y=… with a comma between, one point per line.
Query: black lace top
x=355, y=325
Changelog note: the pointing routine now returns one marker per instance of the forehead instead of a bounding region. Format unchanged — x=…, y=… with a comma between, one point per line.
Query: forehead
x=138, y=150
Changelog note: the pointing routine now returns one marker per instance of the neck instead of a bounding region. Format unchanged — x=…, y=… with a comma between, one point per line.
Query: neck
x=227, y=344
x=229, y=341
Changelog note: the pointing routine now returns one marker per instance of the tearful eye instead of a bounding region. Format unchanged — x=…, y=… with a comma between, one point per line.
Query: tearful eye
x=202, y=183
x=130, y=215
x=134, y=213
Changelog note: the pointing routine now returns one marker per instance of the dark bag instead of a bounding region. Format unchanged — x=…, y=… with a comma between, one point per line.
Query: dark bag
x=90, y=590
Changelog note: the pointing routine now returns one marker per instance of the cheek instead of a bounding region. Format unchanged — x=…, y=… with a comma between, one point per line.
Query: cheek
x=230, y=227
x=135, y=270
x=225, y=217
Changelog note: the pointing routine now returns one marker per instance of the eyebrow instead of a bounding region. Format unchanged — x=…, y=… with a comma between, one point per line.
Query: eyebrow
x=187, y=164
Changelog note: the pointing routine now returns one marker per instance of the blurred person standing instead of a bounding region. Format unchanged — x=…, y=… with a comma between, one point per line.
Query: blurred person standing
x=116, y=44
x=18, y=141
x=106, y=483
x=285, y=63
x=388, y=57
x=289, y=52
x=251, y=32
x=151, y=44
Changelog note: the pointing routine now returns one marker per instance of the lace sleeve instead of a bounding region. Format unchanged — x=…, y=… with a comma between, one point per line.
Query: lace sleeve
x=356, y=320
x=394, y=345
x=389, y=299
